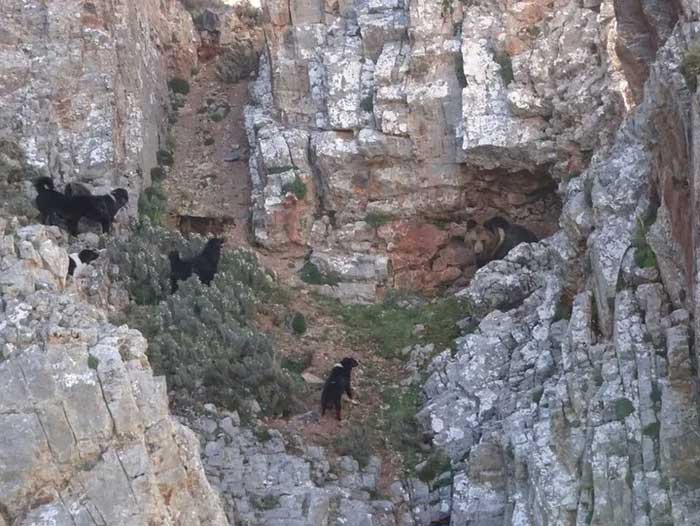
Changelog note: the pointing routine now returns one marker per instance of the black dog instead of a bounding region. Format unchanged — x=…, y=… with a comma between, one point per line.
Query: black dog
x=338, y=382
x=203, y=265
x=77, y=261
x=75, y=204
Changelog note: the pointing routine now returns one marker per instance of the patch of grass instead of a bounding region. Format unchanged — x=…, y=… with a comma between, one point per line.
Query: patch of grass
x=392, y=325
x=377, y=219
x=436, y=464
x=623, y=408
x=367, y=104
x=655, y=394
x=296, y=187
x=179, y=85
x=397, y=423
x=153, y=204
x=312, y=275
x=93, y=362
x=299, y=323
x=690, y=68
x=506, y=67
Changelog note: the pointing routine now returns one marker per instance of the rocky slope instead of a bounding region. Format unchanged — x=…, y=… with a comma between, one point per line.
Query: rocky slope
x=83, y=88
x=86, y=433
x=579, y=406
x=401, y=117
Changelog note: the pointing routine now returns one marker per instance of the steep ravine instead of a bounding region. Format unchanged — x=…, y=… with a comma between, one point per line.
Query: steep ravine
x=372, y=131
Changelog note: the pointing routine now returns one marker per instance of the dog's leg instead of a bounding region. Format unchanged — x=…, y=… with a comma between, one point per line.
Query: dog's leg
x=337, y=410
x=72, y=224
x=106, y=226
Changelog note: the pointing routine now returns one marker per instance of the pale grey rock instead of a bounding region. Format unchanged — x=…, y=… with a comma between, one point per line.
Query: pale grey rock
x=86, y=427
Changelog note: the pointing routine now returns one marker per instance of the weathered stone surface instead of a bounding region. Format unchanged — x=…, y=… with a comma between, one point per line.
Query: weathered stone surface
x=83, y=87
x=263, y=483
x=86, y=428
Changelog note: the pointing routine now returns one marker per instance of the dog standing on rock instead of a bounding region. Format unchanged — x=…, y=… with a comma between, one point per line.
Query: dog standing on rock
x=77, y=203
x=338, y=382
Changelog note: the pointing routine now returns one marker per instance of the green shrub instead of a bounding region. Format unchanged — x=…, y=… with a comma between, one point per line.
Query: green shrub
x=165, y=157
x=93, y=362
x=153, y=204
x=296, y=187
x=312, y=275
x=157, y=174
x=644, y=256
x=179, y=85
x=266, y=502
x=623, y=408
x=203, y=338
x=355, y=443
x=690, y=68
x=377, y=219
x=537, y=393
x=652, y=430
x=299, y=323
x=436, y=464
x=506, y=67
x=367, y=103
x=298, y=364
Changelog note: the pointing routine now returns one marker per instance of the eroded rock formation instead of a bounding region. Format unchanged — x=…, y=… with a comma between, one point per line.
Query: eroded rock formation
x=575, y=401
x=83, y=85
x=86, y=433
x=411, y=114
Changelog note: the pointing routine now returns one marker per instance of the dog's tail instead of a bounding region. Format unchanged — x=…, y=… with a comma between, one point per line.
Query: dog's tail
x=43, y=184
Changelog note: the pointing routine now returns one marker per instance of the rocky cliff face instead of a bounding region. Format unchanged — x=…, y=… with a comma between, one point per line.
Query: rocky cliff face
x=579, y=406
x=402, y=117
x=86, y=433
x=83, y=90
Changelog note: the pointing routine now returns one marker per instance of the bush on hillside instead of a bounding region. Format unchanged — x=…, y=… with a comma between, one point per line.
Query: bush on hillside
x=203, y=338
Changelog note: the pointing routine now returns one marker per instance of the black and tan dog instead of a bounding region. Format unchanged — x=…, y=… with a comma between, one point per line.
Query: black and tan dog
x=495, y=238
x=204, y=264
x=79, y=260
x=338, y=382
x=77, y=203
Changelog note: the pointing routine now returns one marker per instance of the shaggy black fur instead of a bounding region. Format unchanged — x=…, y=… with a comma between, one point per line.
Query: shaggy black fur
x=338, y=382
x=82, y=258
x=204, y=265
x=74, y=205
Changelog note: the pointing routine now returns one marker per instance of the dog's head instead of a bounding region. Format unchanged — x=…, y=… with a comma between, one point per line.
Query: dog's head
x=483, y=240
x=121, y=196
x=214, y=245
x=43, y=184
x=173, y=256
x=349, y=363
